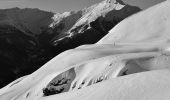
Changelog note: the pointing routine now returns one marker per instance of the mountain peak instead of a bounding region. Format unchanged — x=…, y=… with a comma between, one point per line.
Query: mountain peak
x=115, y=1
x=36, y=36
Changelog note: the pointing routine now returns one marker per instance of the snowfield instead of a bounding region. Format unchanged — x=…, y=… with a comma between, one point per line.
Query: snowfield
x=151, y=25
x=153, y=85
x=130, y=63
x=34, y=36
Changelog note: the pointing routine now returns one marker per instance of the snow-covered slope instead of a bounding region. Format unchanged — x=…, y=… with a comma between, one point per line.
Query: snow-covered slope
x=149, y=26
x=107, y=70
x=68, y=72
x=152, y=85
x=34, y=36
x=94, y=66
x=97, y=20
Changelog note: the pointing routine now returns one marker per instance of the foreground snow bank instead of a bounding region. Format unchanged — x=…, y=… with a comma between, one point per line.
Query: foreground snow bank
x=82, y=67
x=118, y=62
x=152, y=85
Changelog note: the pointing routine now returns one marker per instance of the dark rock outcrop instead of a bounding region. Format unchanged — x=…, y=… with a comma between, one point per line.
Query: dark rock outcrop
x=31, y=37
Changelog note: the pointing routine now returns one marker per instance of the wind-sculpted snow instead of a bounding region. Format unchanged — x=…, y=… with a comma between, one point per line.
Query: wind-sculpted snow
x=152, y=85
x=34, y=36
x=120, y=66
x=81, y=67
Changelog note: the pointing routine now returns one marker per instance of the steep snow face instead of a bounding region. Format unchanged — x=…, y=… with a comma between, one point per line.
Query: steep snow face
x=151, y=25
x=63, y=22
x=86, y=15
x=97, y=19
x=99, y=10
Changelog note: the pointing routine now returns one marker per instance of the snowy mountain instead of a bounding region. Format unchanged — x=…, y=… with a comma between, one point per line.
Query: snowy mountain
x=31, y=37
x=94, y=21
x=119, y=66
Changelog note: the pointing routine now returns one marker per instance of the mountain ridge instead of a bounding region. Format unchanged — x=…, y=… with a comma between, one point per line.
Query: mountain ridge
x=34, y=36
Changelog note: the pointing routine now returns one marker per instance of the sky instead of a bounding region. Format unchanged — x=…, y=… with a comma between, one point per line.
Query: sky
x=67, y=5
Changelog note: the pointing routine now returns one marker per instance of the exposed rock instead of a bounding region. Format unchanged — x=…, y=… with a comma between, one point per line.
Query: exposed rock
x=31, y=37
x=106, y=70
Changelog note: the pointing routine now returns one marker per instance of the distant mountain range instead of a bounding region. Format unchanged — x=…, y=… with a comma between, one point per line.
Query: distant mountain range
x=31, y=37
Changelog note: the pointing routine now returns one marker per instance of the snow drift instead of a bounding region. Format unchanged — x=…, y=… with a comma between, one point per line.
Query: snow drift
x=34, y=36
x=130, y=63
x=153, y=85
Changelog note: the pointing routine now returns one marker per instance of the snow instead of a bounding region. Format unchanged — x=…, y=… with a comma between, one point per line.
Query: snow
x=97, y=10
x=106, y=65
x=147, y=26
x=65, y=18
x=72, y=20
x=131, y=63
x=142, y=86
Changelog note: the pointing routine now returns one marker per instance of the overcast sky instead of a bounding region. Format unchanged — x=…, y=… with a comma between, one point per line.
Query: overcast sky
x=66, y=5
